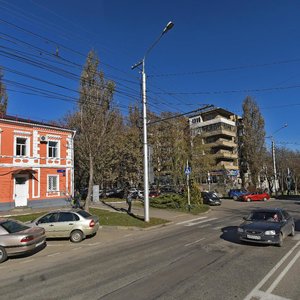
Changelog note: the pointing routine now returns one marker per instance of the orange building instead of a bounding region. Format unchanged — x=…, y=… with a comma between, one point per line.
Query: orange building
x=36, y=163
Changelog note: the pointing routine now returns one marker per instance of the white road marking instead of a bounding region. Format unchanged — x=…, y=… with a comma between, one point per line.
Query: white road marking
x=266, y=296
x=203, y=226
x=26, y=261
x=201, y=218
x=77, y=248
x=53, y=254
x=52, y=245
x=194, y=242
x=203, y=221
x=94, y=244
x=283, y=273
x=218, y=227
x=272, y=271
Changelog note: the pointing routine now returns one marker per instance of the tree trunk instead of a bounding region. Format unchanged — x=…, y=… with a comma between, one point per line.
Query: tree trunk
x=91, y=182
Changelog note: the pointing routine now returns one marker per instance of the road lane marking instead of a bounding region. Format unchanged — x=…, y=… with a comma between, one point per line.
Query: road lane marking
x=52, y=245
x=203, y=226
x=266, y=296
x=189, y=244
x=26, y=261
x=218, y=227
x=53, y=254
x=201, y=218
x=203, y=221
x=283, y=273
x=272, y=271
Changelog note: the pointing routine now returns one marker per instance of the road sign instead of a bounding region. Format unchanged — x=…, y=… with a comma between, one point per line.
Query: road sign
x=61, y=171
x=187, y=170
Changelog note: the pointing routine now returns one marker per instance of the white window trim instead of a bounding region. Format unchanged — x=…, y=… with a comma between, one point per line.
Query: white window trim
x=58, y=149
x=27, y=154
x=57, y=188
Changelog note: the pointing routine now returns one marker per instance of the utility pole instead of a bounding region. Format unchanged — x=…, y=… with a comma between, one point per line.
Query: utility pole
x=274, y=167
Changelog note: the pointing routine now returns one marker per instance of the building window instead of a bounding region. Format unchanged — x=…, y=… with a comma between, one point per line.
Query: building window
x=21, y=147
x=53, y=183
x=53, y=149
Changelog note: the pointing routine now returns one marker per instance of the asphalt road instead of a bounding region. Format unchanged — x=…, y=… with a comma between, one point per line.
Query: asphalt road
x=195, y=258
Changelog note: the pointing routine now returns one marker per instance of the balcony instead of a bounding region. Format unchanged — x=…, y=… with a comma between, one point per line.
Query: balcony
x=227, y=166
x=222, y=142
x=218, y=132
x=226, y=154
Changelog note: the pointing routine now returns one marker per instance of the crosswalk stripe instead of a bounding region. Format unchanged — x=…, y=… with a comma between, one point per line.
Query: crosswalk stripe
x=203, y=221
x=188, y=221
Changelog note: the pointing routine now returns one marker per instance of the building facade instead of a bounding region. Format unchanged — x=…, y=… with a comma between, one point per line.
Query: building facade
x=36, y=163
x=217, y=129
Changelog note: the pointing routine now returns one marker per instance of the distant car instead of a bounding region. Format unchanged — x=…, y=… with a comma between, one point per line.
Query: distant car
x=74, y=224
x=255, y=197
x=236, y=193
x=17, y=238
x=267, y=226
x=154, y=194
x=210, y=198
x=167, y=190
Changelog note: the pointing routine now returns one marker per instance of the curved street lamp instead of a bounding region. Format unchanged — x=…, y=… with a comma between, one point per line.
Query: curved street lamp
x=145, y=139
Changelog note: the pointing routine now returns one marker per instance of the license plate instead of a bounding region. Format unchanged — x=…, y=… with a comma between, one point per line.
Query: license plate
x=253, y=237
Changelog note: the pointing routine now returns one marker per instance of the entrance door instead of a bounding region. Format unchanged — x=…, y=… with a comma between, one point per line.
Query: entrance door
x=21, y=190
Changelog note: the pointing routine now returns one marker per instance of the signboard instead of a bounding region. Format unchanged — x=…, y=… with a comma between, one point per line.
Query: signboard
x=61, y=171
x=95, y=193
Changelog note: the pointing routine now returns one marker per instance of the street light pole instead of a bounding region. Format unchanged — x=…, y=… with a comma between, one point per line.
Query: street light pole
x=276, y=186
x=145, y=137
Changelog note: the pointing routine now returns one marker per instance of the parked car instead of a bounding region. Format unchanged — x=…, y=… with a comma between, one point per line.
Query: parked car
x=153, y=194
x=236, y=193
x=210, y=198
x=257, y=196
x=267, y=226
x=17, y=238
x=74, y=224
x=168, y=190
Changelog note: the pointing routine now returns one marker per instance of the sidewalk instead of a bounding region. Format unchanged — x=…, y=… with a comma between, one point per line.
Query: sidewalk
x=117, y=207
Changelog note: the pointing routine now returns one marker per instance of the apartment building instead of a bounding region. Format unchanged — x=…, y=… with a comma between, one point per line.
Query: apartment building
x=217, y=129
x=36, y=163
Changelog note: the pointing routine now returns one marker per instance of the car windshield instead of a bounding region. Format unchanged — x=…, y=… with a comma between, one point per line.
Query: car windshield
x=12, y=226
x=270, y=216
x=84, y=213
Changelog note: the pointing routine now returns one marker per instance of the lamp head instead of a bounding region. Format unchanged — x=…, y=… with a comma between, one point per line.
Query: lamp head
x=169, y=26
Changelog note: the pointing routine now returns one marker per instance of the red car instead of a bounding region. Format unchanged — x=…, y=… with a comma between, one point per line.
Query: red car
x=255, y=197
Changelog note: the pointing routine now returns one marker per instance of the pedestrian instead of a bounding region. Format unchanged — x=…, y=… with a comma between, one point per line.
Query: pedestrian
x=129, y=202
x=77, y=198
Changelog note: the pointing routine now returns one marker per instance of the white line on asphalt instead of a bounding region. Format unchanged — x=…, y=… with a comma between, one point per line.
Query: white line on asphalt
x=217, y=228
x=27, y=261
x=203, y=221
x=273, y=270
x=283, y=273
x=52, y=245
x=94, y=244
x=77, y=248
x=266, y=296
x=54, y=254
x=201, y=218
x=189, y=244
x=203, y=226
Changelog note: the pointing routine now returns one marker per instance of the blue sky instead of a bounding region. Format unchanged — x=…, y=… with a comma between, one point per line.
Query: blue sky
x=217, y=53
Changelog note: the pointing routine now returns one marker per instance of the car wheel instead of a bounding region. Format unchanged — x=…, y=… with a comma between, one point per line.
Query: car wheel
x=235, y=197
x=292, y=231
x=265, y=199
x=280, y=242
x=3, y=254
x=248, y=199
x=76, y=236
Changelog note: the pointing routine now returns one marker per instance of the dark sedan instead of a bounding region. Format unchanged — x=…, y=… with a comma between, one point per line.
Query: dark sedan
x=267, y=226
x=210, y=198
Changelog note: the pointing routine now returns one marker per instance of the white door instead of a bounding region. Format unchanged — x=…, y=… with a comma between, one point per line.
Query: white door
x=21, y=190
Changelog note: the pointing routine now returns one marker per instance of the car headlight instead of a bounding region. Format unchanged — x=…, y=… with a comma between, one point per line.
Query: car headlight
x=240, y=229
x=270, y=232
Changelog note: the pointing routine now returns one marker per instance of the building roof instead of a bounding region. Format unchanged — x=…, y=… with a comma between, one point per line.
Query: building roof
x=212, y=109
x=18, y=120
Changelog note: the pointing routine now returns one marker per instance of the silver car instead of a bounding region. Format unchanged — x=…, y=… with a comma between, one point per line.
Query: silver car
x=74, y=224
x=17, y=238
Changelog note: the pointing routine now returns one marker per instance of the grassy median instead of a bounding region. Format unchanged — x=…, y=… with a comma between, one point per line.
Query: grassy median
x=107, y=218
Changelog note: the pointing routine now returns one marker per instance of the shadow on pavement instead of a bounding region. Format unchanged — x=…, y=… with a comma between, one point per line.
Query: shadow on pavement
x=123, y=210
